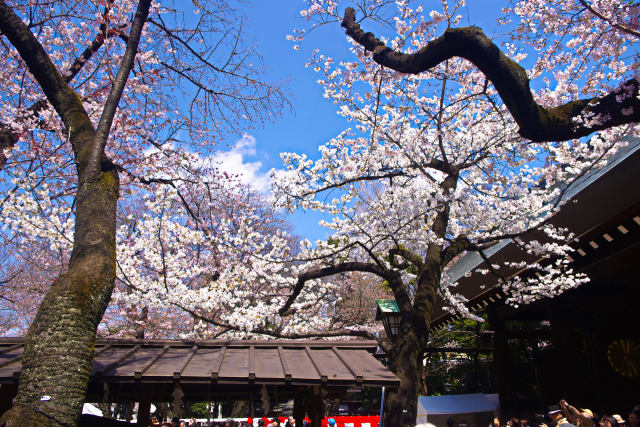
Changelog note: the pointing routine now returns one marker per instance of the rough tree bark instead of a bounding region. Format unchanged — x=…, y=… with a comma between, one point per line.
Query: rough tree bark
x=59, y=345
x=536, y=123
x=405, y=360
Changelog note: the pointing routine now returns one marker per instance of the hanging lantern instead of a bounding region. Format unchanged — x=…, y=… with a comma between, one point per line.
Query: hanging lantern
x=389, y=312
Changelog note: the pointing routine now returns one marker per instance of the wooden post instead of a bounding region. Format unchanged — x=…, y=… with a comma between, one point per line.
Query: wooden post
x=298, y=409
x=252, y=410
x=313, y=403
x=317, y=408
x=144, y=405
x=502, y=363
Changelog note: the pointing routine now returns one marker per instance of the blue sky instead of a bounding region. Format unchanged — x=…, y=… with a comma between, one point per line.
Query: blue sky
x=313, y=120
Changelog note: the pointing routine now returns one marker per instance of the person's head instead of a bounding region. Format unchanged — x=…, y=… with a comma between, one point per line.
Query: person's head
x=523, y=423
x=260, y=422
x=496, y=422
x=618, y=418
x=275, y=422
x=555, y=416
x=513, y=422
x=634, y=416
x=607, y=421
x=331, y=422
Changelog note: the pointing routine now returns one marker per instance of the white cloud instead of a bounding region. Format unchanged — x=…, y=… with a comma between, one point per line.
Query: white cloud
x=235, y=162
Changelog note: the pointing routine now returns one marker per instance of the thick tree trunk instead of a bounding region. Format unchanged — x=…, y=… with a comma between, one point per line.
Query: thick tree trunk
x=401, y=405
x=408, y=348
x=59, y=347
x=58, y=352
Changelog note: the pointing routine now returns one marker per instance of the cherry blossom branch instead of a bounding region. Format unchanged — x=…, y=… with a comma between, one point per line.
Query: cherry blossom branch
x=330, y=271
x=620, y=27
x=342, y=183
x=8, y=138
x=493, y=270
x=537, y=123
x=96, y=44
x=277, y=334
x=111, y=105
x=63, y=99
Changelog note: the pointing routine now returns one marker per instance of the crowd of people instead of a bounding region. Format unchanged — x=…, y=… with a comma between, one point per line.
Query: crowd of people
x=569, y=416
x=566, y=416
x=176, y=422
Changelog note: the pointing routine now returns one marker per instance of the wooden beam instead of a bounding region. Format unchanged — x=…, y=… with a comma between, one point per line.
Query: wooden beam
x=285, y=366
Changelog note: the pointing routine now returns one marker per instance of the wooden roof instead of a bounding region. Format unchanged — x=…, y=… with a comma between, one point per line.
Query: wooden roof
x=275, y=362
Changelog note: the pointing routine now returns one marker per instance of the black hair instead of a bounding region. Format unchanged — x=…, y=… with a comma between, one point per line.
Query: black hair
x=611, y=420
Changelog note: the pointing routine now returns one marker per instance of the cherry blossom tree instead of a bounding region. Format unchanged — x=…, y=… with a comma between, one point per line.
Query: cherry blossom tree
x=451, y=152
x=219, y=255
x=198, y=256
x=70, y=156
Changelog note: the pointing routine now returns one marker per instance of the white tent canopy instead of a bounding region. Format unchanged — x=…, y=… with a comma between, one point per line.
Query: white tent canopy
x=90, y=409
x=457, y=404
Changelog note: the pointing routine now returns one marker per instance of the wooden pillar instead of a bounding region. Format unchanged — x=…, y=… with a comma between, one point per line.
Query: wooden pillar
x=144, y=405
x=252, y=409
x=568, y=367
x=298, y=408
x=314, y=405
x=7, y=394
x=502, y=363
x=597, y=393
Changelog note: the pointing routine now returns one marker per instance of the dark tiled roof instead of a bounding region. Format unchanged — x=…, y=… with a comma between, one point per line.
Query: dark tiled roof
x=337, y=363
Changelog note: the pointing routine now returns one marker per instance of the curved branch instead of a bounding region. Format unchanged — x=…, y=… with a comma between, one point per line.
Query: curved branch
x=326, y=272
x=459, y=244
x=537, y=123
x=406, y=254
